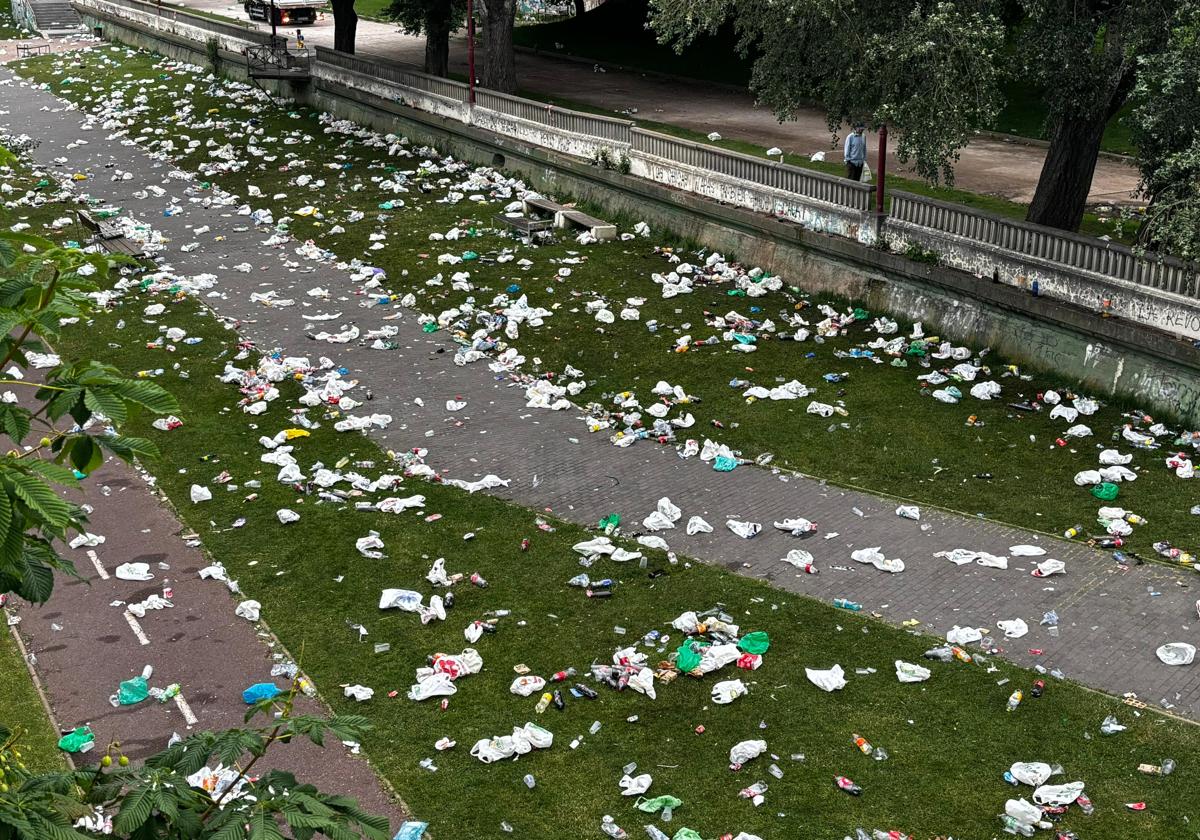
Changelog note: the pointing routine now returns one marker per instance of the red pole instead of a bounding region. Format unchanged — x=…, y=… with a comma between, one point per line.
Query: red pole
x=882, y=168
x=471, y=51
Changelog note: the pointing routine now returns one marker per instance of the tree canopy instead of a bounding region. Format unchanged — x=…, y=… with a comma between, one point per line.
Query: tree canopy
x=1166, y=129
x=929, y=69
x=933, y=70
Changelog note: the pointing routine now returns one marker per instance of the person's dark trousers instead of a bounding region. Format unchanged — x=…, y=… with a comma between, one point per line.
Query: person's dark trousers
x=854, y=171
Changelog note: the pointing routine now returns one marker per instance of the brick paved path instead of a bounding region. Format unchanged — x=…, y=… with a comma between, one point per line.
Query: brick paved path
x=1110, y=620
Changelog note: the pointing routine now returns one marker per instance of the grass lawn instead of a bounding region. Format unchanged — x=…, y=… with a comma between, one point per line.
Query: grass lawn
x=21, y=710
x=905, y=443
x=949, y=738
x=614, y=33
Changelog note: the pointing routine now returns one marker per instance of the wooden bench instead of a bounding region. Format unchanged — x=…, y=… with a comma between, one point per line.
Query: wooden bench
x=565, y=217
x=527, y=225
x=27, y=50
x=600, y=229
x=108, y=236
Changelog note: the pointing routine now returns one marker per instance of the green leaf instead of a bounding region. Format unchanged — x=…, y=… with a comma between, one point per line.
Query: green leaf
x=150, y=395
x=128, y=448
x=53, y=472
x=107, y=403
x=36, y=580
x=85, y=454
x=8, y=254
x=39, y=497
x=135, y=810
x=14, y=421
x=263, y=827
x=234, y=829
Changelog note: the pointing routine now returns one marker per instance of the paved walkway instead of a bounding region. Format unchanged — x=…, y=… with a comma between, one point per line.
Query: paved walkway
x=1111, y=621
x=990, y=167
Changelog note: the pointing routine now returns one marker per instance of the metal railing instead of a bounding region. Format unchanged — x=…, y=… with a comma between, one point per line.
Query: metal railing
x=1049, y=244
x=262, y=58
x=805, y=182
x=390, y=71
x=563, y=119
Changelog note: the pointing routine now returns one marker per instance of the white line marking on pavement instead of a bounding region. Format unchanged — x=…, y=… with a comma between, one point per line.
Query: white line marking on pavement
x=136, y=628
x=99, y=566
x=188, y=716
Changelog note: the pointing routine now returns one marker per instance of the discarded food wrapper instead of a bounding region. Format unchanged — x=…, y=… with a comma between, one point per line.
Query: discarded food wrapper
x=134, y=571
x=909, y=512
x=907, y=672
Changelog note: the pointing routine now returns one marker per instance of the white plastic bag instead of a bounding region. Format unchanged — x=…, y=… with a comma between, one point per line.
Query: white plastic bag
x=831, y=679
x=1176, y=653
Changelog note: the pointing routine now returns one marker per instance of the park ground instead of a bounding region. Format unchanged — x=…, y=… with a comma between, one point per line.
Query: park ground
x=949, y=738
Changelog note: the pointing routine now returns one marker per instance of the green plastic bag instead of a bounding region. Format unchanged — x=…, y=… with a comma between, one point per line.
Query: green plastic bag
x=861, y=314
x=687, y=834
x=133, y=691
x=469, y=255
x=77, y=740
x=756, y=642
x=610, y=521
x=653, y=806
x=686, y=659
x=431, y=327
x=1106, y=492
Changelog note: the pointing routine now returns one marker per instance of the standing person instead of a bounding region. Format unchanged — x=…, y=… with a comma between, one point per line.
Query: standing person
x=855, y=153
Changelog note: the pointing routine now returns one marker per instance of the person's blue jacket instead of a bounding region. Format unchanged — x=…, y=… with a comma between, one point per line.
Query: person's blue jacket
x=856, y=148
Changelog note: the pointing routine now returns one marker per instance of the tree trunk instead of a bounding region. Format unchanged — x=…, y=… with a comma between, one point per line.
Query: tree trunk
x=1066, y=179
x=345, y=25
x=499, y=62
x=580, y=7
x=437, y=40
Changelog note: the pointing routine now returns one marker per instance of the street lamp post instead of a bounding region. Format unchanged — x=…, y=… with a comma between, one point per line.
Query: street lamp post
x=272, y=22
x=882, y=168
x=470, y=51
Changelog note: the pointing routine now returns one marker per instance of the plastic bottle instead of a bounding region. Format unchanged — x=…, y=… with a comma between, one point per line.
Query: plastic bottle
x=559, y=676
x=1039, y=686
x=847, y=604
x=655, y=833
x=847, y=785
x=1012, y=826
x=1073, y=532
x=479, y=580
x=880, y=754
x=939, y=654
x=1085, y=805
x=1015, y=699
x=864, y=746
x=1134, y=519
x=558, y=701
x=610, y=828
x=961, y=655
x=1106, y=542
x=544, y=703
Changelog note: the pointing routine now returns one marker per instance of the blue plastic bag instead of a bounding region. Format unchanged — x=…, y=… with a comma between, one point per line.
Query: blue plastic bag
x=410, y=830
x=261, y=691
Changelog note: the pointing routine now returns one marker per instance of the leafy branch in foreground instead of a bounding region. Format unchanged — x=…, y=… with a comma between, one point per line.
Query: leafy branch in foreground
x=200, y=788
x=76, y=409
